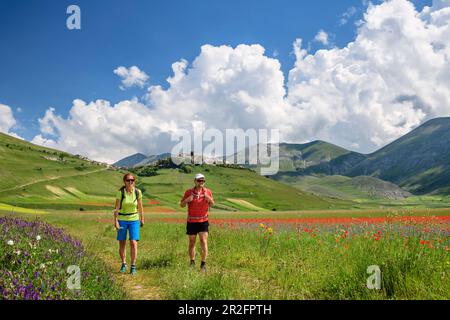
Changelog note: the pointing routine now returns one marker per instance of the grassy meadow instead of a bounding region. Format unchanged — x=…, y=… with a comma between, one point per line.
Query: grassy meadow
x=290, y=257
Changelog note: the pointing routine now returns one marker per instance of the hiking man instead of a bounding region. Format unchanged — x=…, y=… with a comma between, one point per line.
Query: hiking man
x=198, y=199
x=126, y=218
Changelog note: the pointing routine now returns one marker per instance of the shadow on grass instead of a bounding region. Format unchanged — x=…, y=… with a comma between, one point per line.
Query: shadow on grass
x=163, y=261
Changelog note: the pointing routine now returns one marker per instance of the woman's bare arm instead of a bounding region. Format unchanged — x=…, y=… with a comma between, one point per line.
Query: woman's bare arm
x=141, y=211
x=116, y=214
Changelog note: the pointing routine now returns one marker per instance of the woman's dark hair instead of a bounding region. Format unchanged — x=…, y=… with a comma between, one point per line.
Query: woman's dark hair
x=125, y=177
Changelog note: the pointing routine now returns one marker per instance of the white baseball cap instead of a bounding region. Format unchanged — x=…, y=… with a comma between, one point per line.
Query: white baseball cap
x=199, y=176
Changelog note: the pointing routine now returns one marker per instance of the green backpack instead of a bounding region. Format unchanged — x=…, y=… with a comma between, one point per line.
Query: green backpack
x=122, y=190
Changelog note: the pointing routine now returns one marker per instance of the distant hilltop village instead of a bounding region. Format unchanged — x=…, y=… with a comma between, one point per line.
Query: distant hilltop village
x=247, y=156
x=98, y=163
x=192, y=158
x=167, y=160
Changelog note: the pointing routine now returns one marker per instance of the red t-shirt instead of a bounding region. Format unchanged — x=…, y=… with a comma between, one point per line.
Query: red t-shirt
x=198, y=208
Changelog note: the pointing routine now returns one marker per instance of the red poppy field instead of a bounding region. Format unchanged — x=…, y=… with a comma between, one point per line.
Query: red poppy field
x=231, y=222
x=303, y=256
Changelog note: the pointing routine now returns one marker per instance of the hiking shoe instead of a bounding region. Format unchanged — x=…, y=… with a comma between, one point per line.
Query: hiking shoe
x=192, y=265
x=203, y=267
x=133, y=270
x=123, y=268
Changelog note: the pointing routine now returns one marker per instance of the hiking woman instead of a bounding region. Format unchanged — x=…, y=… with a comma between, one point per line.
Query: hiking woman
x=127, y=219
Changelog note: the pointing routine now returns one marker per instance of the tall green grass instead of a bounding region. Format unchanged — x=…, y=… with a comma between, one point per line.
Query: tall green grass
x=248, y=262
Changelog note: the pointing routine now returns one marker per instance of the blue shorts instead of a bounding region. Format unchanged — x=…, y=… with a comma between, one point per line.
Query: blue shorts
x=132, y=227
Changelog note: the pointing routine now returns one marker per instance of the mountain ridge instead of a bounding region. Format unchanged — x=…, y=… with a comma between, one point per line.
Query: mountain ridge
x=419, y=161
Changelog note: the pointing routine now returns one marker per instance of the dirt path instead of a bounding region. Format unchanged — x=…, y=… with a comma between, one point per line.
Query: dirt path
x=135, y=286
x=138, y=291
x=51, y=179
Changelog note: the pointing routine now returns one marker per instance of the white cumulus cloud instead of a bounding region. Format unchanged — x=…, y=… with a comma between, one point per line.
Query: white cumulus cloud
x=102, y=131
x=390, y=79
x=393, y=77
x=132, y=76
x=7, y=121
x=345, y=17
x=322, y=37
x=225, y=87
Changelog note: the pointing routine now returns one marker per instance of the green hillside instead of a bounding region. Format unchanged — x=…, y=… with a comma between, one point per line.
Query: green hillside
x=419, y=161
x=230, y=185
x=130, y=161
x=367, y=188
x=317, y=157
x=41, y=178
x=296, y=157
x=139, y=159
x=37, y=177
x=364, y=192
x=23, y=163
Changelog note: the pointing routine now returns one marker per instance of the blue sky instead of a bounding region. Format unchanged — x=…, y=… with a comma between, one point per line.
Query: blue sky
x=43, y=64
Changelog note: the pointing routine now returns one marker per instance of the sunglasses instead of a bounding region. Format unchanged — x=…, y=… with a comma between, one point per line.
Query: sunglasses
x=200, y=181
x=129, y=180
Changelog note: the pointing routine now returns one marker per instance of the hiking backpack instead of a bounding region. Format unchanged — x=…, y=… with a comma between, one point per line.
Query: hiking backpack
x=122, y=190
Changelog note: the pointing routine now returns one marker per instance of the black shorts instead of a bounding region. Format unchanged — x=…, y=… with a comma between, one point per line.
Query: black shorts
x=192, y=228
